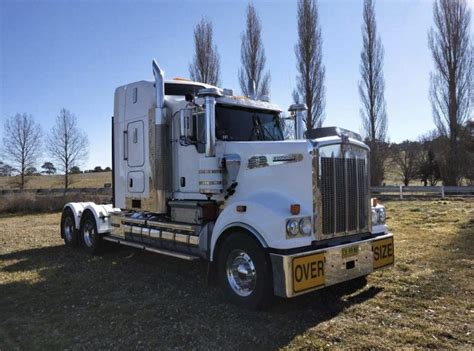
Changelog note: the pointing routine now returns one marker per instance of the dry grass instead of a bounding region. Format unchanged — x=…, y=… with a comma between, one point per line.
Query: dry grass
x=85, y=180
x=52, y=297
x=25, y=203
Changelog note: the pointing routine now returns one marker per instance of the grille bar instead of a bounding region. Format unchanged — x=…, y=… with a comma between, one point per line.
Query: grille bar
x=344, y=195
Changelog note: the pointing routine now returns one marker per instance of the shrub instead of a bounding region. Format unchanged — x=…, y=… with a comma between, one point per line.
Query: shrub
x=36, y=203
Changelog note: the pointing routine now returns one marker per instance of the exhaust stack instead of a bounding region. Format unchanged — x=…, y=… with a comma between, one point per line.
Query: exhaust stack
x=210, y=171
x=160, y=90
x=209, y=96
x=160, y=154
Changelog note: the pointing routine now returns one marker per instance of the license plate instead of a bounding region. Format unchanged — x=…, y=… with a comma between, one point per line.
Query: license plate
x=308, y=272
x=383, y=252
x=350, y=251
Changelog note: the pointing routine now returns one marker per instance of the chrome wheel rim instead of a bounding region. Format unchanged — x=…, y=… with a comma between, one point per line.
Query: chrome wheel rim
x=68, y=228
x=241, y=273
x=88, y=233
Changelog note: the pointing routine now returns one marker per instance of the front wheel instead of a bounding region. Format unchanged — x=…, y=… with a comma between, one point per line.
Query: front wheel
x=91, y=240
x=245, y=272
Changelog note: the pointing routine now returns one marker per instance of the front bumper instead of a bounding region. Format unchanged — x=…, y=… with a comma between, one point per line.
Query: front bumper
x=307, y=271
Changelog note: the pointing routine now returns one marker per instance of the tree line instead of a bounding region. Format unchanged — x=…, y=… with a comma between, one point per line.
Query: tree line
x=23, y=144
x=451, y=90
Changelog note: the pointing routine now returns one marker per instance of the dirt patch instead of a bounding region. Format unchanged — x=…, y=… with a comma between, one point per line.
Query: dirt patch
x=54, y=297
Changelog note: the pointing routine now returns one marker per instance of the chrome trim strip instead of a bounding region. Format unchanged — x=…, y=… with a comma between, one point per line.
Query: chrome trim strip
x=155, y=234
x=357, y=190
x=136, y=230
x=181, y=238
x=268, y=160
x=176, y=226
x=151, y=249
x=193, y=240
x=336, y=141
x=167, y=235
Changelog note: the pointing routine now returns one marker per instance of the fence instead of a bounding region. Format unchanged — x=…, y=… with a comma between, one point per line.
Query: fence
x=442, y=191
x=389, y=190
x=60, y=191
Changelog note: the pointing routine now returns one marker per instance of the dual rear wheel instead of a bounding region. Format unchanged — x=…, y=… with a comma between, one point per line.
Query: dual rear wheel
x=86, y=236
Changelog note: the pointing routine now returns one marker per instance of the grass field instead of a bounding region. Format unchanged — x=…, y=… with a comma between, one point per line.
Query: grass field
x=52, y=297
x=84, y=180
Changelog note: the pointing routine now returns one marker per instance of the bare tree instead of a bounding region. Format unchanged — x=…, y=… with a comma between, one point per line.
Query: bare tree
x=254, y=83
x=372, y=93
x=309, y=57
x=205, y=67
x=406, y=159
x=451, y=88
x=67, y=144
x=22, y=143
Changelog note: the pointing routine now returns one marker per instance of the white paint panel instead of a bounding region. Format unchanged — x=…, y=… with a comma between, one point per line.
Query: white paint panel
x=136, y=182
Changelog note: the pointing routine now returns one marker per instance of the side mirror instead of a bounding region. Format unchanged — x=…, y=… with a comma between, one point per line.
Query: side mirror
x=185, y=125
x=297, y=110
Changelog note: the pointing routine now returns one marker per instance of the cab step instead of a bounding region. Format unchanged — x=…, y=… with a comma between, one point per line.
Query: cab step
x=180, y=255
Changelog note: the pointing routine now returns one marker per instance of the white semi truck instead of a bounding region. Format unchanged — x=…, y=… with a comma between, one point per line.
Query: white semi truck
x=202, y=174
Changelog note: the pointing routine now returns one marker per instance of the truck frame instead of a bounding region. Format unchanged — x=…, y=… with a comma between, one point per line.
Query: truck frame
x=202, y=174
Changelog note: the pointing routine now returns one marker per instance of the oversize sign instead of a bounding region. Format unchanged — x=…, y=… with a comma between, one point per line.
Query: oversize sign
x=308, y=272
x=383, y=252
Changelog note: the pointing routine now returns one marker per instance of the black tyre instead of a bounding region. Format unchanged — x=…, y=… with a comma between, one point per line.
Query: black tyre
x=69, y=231
x=244, y=272
x=91, y=240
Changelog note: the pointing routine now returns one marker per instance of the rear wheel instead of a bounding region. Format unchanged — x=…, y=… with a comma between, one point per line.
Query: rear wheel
x=91, y=240
x=68, y=228
x=245, y=272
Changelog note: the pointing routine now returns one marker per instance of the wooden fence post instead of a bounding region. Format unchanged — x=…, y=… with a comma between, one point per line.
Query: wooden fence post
x=401, y=192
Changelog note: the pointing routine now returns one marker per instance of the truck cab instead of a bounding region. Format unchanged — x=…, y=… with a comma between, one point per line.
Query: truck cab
x=202, y=174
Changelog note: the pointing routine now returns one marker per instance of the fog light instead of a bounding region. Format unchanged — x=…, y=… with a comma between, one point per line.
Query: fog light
x=375, y=217
x=305, y=226
x=382, y=215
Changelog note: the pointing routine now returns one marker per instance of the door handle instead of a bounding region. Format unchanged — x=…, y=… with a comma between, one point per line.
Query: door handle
x=125, y=145
x=131, y=183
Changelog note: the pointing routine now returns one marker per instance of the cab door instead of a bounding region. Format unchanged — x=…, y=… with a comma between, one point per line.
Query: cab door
x=135, y=145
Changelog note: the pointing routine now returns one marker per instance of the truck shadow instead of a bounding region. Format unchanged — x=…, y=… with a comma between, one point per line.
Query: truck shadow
x=128, y=299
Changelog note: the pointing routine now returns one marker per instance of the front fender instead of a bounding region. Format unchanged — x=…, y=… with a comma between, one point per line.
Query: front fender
x=265, y=217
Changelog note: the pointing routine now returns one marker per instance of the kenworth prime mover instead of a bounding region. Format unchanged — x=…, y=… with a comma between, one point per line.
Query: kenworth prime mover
x=202, y=174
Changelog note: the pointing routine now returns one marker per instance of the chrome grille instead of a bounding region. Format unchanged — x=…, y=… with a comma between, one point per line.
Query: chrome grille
x=344, y=195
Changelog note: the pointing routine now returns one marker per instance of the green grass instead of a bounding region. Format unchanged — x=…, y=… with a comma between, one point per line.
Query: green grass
x=52, y=297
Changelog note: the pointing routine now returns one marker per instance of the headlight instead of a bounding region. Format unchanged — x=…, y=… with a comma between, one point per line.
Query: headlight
x=375, y=216
x=382, y=215
x=305, y=226
x=292, y=227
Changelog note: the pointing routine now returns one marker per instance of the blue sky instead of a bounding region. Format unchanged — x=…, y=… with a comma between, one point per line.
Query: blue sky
x=74, y=54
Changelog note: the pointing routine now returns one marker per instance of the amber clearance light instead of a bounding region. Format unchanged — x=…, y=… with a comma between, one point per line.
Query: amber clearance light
x=295, y=209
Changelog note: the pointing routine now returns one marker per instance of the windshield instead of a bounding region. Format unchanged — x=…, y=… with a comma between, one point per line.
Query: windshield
x=243, y=124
